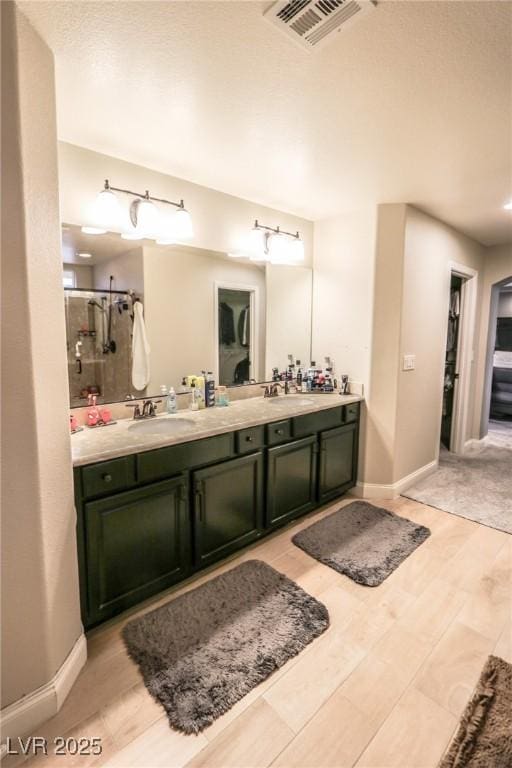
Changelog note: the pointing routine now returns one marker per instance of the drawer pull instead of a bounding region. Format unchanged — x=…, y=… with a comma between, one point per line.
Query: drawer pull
x=249, y=439
x=106, y=478
x=279, y=431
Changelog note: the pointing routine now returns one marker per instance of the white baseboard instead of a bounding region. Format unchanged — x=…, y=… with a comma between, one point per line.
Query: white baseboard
x=473, y=443
x=393, y=490
x=22, y=717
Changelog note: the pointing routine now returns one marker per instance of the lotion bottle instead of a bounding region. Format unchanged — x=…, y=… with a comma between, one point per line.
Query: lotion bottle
x=172, y=404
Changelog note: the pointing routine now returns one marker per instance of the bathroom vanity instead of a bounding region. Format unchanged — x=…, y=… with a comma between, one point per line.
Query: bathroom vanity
x=159, y=500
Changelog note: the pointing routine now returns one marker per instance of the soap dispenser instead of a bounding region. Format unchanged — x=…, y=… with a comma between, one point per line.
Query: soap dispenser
x=172, y=404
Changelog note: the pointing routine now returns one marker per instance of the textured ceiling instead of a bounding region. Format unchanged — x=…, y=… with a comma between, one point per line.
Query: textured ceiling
x=411, y=104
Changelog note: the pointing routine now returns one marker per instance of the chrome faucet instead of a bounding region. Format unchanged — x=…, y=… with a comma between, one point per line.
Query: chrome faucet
x=270, y=390
x=148, y=409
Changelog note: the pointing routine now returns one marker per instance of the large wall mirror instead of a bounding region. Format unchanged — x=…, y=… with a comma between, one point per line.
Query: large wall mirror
x=201, y=311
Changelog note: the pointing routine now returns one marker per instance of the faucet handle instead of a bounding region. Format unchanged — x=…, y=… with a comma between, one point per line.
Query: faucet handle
x=136, y=409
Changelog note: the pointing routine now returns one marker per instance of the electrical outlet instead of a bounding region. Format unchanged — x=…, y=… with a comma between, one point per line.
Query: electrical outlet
x=409, y=363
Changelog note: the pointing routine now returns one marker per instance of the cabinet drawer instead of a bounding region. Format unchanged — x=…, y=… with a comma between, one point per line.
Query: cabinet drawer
x=316, y=422
x=279, y=432
x=166, y=462
x=249, y=440
x=109, y=476
x=351, y=413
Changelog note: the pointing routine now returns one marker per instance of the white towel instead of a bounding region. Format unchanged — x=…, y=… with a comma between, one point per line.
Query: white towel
x=140, y=349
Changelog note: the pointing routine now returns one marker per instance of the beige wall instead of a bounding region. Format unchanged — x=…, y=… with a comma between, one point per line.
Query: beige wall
x=344, y=255
x=221, y=222
x=126, y=269
x=412, y=284
x=179, y=290
x=289, y=307
x=430, y=248
x=83, y=275
x=40, y=604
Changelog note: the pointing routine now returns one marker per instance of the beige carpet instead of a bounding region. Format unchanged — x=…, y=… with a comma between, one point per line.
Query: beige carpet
x=484, y=736
x=478, y=485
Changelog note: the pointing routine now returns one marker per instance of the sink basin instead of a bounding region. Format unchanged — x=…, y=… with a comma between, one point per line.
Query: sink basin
x=161, y=426
x=291, y=401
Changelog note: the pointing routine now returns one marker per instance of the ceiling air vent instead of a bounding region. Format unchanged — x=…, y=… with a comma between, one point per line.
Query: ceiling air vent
x=312, y=23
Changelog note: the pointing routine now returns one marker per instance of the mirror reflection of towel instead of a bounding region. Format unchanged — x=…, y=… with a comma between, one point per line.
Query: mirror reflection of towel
x=140, y=349
x=244, y=332
x=226, y=323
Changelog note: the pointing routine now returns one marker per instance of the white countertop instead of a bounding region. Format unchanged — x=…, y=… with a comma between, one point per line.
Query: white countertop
x=124, y=438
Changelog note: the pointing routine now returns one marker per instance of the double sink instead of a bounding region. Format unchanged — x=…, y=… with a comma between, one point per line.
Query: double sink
x=168, y=425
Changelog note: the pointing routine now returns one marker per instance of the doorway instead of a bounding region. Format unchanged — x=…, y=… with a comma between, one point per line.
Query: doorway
x=496, y=418
x=451, y=370
x=235, y=335
x=458, y=353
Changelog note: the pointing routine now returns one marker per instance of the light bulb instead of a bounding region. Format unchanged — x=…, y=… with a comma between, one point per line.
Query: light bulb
x=181, y=225
x=132, y=234
x=508, y=206
x=296, y=249
x=257, y=244
x=107, y=212
x=279, y=245
x=146, y=216
x=93, y=231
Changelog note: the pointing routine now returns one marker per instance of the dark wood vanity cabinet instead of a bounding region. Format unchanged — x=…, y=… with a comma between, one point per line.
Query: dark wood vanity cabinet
x=136, y=543
x=291, y=480
x=228, y=507
x=147, y=521
x=337, y=466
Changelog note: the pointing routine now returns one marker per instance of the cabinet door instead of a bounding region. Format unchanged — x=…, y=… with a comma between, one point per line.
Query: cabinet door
x=137, y=543
x=228, y=507
x=291, y=481
x=338, y=461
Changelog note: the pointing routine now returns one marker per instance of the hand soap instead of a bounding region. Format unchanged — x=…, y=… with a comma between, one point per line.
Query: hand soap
x=172, y=403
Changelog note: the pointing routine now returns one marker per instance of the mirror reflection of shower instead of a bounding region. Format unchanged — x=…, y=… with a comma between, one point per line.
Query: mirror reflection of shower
x=99, y=336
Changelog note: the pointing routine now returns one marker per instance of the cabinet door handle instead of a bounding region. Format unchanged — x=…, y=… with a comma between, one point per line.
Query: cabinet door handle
x=249, y=439
x=279, y=431
x=106, y=478
x=199, y=502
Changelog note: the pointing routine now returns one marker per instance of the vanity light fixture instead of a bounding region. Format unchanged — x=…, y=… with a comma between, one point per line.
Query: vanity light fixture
x=143, y=218
x=508, y=206
x=276, y=245
x=85, y=255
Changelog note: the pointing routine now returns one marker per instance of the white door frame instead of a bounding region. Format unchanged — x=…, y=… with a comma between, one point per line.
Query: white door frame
x=465, y=355
x=254, y=323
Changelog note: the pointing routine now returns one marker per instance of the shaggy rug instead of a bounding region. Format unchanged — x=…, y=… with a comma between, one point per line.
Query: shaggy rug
x=202, y=652
x=364, y=542
x=477, y=486
x=484, y=736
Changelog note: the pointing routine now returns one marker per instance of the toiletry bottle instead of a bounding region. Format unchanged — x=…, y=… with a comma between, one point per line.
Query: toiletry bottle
x=223, y=398
x=106, y=415
x=194, y=405
x=200, y=391
x=172, y=403
x=298, y=377
x=93, y=415
x=210, y=390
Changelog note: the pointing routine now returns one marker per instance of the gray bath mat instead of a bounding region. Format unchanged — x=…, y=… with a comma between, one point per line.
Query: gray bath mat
x=364, y=542
x=202, y=652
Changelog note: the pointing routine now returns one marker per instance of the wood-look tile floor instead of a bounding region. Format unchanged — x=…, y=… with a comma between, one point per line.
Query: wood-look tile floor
x=384, y=686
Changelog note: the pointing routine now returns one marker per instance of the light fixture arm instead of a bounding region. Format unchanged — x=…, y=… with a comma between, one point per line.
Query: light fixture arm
x=143, y=196
x=275, y=230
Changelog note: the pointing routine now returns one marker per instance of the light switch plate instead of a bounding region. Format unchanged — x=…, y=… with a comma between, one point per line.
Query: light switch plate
x=409, y=363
